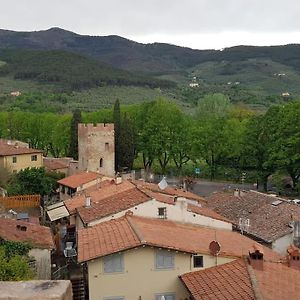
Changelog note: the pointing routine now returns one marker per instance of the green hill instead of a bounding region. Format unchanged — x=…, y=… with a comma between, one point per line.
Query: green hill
x=69, y=71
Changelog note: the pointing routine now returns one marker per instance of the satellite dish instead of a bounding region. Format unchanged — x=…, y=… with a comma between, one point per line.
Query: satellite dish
x=214, y=248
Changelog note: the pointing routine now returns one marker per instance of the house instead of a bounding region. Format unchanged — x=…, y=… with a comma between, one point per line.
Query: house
x=270, y=218
x=141, y=258
x=39, y=237
x=59, y=165
x=16, y=156
x=248, y=278
x=113, y=200
x=73, y=184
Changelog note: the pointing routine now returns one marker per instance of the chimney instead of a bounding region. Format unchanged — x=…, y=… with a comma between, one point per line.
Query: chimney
x=181, y=202
x=87, y=201
x=296, y=233
x=236, y=193
x=118, y=180
x=256, y=257
x=293, y=257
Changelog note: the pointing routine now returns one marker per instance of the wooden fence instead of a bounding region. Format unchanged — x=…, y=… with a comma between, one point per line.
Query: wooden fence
x=21, y=201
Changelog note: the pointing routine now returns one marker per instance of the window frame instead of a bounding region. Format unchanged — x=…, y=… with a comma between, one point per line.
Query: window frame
x=14, y=159
x=110, y=257
x=164, y=215
x=163, y=253
x=165, y=294
x=34, y=157
x=194, y=260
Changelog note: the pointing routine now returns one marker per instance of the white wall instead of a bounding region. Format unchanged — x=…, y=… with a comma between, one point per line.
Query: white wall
x=282, y=243
x=43, y=262
x=174, y=212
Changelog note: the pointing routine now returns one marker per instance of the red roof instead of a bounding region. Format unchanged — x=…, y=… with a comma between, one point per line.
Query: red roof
x=104, y=238
x=77, y=180
x=36, y=235
x=7, y=149
x=238, y=280
x=168, y=190
x=102, y=207
x=51, y=164
x=106, y=189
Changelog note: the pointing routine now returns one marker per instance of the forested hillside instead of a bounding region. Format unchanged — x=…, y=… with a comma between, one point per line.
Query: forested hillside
x=69, y=71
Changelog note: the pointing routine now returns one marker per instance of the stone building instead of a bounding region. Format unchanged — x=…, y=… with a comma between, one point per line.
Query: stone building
x=96, y=148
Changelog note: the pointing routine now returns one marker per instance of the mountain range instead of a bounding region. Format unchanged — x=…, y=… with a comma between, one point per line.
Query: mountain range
x=258, y=71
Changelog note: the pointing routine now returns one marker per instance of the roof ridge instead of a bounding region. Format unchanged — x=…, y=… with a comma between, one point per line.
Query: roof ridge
x=134, y=228
x=253, y=280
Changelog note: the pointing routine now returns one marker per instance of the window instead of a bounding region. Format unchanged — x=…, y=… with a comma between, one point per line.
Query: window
x=113, y=263
x=198, y=261
x=101, y=162
x=106, y=146
x=162, y=212
x=33, y=157
x=164, y=259
x=165, y=296
x=14, y=159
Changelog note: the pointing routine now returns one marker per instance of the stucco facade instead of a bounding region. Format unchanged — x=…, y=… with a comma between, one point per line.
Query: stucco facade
x=96, y=148
x=43, y=262
x=18, y=162
x=281, y=244
x=140, y=279
x=177, y=212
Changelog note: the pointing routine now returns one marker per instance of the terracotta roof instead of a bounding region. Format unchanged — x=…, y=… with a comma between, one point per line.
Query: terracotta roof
x=76, y=180
x=160, y=233
x=51, y=164
x=6, y=149
x=227, y=281
x=115, y=203
x=267, y=222
x=238, y=280
x=106, y=189
x=168, y=190
x=36, y=235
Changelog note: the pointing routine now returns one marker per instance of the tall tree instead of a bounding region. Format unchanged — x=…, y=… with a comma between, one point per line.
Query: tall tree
x=117, y=122
x=127, y=143
x=73, y=148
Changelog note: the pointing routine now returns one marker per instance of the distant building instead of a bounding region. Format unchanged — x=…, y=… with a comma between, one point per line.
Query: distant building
x=193, y=84
x=96, y=148
x=16, y=93
x=16, y=156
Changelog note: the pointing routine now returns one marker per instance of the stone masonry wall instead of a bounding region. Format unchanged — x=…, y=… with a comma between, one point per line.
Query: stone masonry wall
x=96, y=148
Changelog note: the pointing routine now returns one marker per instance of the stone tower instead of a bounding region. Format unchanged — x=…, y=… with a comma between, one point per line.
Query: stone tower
x=96, y=148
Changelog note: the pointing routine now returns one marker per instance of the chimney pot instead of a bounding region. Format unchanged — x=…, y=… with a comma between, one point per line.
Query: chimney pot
x=256, y=257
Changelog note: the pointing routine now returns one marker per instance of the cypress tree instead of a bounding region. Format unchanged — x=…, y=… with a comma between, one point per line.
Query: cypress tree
x=117, y=122
x=73, y=149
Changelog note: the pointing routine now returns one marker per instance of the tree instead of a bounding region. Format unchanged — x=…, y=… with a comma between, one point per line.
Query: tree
x=32, y=181
x=73, y=148
x=284, y=131
x=117, y=123
x=126, y=143
x=14, y=261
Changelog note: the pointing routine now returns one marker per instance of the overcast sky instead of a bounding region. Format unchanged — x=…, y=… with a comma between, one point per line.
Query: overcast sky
x=198, y=24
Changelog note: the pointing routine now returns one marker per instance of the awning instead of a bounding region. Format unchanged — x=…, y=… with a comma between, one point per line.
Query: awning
x=57, y=211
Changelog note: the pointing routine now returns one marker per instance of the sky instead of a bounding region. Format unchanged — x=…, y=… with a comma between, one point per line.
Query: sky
x=199, y=24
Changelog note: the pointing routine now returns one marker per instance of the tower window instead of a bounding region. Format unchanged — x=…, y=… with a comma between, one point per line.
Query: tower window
x=101, y=162
x=106, y=146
